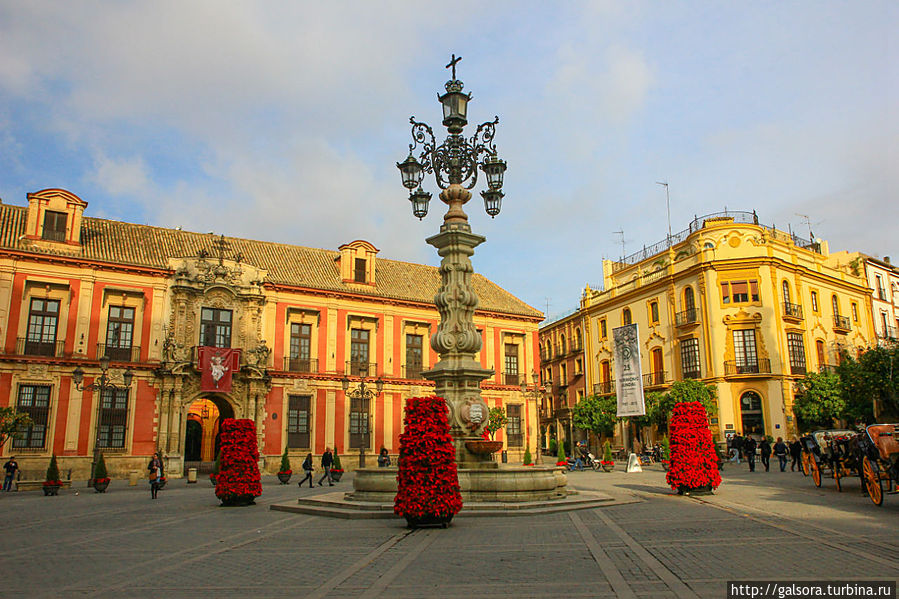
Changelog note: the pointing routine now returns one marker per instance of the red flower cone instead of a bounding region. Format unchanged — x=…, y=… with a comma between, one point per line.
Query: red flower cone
x=238, y=483
x=427, y=481
x=694, y=462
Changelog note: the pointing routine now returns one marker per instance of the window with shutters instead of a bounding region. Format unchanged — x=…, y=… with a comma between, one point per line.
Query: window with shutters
x=54, y=226
x=43, y=318
x=113, y=419
x=33, y=400
x=298, y=421
x=300, y=347
x=511, y=363
x=739, y=292
x=796, y=349
x=513, y=426
x=689, y=358
x=119, y=333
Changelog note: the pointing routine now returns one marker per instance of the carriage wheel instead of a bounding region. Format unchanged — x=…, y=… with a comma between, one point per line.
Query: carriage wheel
x=837, y=474
x=872, y=481
x=805, y=457
x=815, y=470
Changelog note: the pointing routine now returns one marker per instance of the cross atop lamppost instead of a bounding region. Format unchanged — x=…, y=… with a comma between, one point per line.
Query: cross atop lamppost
x=360, y=419
x=102, y=383
x=455, y=163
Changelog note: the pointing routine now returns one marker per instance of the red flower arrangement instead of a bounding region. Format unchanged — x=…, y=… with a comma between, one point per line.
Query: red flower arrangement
x=238, y=483
x=694, y=462
x=52, y=483
x=100, y=481
x=427, y=481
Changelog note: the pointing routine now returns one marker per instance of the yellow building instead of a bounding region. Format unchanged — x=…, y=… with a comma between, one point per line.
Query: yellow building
x=736, y=304
x=563, y=376
x=301, y=322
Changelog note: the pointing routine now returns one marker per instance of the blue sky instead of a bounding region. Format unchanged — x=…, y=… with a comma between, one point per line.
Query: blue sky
x=283, y=121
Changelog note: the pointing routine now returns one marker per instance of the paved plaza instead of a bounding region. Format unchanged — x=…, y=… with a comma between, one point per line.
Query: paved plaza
x=758, y=526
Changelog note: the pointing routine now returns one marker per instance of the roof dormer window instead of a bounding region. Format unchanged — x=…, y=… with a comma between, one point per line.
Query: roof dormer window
x=54, y=226
x=359, y=270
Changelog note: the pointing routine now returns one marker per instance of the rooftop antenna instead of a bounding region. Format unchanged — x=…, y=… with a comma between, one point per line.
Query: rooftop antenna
x=548, y=304
x=621, y=233
x=668, y=206
x=808, y=222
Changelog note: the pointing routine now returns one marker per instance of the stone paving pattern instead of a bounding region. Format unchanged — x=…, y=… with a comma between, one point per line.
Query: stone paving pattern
x=757, y=526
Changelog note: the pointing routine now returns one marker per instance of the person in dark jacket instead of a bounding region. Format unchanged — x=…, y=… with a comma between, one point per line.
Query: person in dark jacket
x=765, y=452
x=780, y=450
x=749, y=446
x=737, y=444
x=327, y=462
x=795, y=454
x=10, y=467
x=307, y=468
x=383, y=458
x=156, y=474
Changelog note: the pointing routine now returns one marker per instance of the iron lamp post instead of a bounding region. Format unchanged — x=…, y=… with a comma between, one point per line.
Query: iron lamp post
x=539, y=393
x=364, y=394
x=102, y=383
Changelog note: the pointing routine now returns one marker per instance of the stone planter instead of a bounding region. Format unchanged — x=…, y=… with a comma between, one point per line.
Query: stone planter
x=607, y=467
x=284, y=477
x=483, y=447
x=51, y=490
x=238, y=501
x=428, y=521
x=703, y=490
x=100, y=486
x=335, y=475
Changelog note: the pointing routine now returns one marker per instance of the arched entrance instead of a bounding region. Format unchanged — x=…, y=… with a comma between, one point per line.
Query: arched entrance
x=751, y=413
x=202, y=433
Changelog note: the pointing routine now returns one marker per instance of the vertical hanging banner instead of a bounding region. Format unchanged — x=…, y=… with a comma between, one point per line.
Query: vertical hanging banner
x=628, y=375
x=217, y=365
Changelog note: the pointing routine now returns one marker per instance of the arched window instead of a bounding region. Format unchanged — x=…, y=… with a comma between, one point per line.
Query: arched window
x=653, y=312
x=626, y=316
x=822, y=357
x=751, y=413
x=836, y=305
x=689, y=303
x=786, y=287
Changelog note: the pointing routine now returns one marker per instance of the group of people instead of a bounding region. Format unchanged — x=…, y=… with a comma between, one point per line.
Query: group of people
x=747, y=448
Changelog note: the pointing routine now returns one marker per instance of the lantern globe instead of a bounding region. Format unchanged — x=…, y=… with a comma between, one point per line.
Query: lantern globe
x=411, y=171
x=493, y=201
x=455, y=106
x=494, y=167
x=420, y=199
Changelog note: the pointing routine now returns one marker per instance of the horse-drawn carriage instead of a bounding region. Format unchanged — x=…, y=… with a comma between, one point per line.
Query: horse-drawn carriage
x=879, y=451
x=833, y=450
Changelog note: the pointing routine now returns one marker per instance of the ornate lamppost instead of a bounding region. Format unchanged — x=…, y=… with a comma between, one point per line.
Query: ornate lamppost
x=102, y=383
x=539, y=393
x=455, y=163
x=365, y=395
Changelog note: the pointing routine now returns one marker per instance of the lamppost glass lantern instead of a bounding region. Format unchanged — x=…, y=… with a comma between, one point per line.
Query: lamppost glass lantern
x=411, y=170
x=493, y=201
x=455, y=106
x=494, y=167
x=420, y=199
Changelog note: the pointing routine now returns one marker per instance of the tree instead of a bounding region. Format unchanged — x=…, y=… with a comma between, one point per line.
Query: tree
x=872, y=379
x=596, y=414
x=496, y=419
x=11, y=424
x=819, y=400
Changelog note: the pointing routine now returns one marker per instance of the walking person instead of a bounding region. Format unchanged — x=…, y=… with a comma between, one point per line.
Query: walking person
x=156, y=473
x=749, y=446
x=11, y=467
x=780, y=450
x=307, y=468
x=765, y=451
x=327, y=462
x=738, y=445
x=795, y=454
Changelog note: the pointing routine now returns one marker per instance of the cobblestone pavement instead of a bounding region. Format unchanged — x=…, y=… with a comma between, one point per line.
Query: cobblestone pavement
x=757, y=526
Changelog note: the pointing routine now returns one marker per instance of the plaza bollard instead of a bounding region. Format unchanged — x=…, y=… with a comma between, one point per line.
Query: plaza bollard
x=191, y=475
x=133, y=477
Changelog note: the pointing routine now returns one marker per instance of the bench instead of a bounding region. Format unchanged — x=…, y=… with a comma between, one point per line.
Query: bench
x=37, y=485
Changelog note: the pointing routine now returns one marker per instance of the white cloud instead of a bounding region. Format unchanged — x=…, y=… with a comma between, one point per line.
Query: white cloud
x=126, y=176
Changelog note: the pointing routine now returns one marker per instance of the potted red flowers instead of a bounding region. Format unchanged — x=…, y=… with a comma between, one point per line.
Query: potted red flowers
x=561, y=460
x=101, y=477
x=606, y=462
x=694, y=462
x=285, y=472
x=336, y=468
x=428, y=491
x=52, y=483
x=238, y=483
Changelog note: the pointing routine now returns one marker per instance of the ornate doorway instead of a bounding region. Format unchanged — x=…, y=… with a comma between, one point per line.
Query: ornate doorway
x=751, y=413
x=202, y=433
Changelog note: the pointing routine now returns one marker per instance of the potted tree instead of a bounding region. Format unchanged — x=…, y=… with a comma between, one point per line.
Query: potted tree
x=51, y=481
x=336, y=468
x=666, y=453
x=216, y=468
x=606, y=462
x=561, y=460
x=527, y=460
x=101, y=477
x=285, y=471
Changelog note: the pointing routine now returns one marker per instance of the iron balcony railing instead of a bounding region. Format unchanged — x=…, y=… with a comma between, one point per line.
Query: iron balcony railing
x=760, y=366
x=359, y=368
x=691, y=374
x=117, y=353
x=300, y=364
x=50, y=349
x=688, y=316
x=888, y=333
x=841, y=322
x=511, y=378
x=604, y=387
x=654, y=379
x=413, y=371
x=792, y=310
x=797, y=369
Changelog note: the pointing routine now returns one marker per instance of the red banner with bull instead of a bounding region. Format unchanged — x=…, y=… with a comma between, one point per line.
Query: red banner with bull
x=217, y=365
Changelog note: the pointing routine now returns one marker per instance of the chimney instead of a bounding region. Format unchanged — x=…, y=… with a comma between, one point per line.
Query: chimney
x=886, y=259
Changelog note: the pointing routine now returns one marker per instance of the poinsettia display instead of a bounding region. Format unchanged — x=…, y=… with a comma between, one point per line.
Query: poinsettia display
x=427, y=481
x=238, y=482
x=694, y=463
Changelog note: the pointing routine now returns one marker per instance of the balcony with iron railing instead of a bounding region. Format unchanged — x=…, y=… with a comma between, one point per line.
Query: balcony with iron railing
x=413, y=371
x=359, y=368
x=798, y=369
x=304, y=365
x=604, y=388
x=686, y=317
x=654, y=379
x=511, y=378
x=792, y=311
x=888, y=333
x=117, y=353
x=746, y=367
x=48, y=349
x=841, y=323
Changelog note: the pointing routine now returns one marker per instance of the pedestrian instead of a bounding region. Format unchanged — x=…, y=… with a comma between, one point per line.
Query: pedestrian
x=307, y=467
x=765, y=451
x=327, y=462
x=795, y=454
x=156, y=473
x=11, y=467
x=780, y=450
x=749, y=446
x=738, y=445
x=383, y=458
